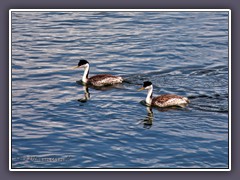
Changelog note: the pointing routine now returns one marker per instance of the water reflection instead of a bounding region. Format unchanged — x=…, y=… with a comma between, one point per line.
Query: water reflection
x=148, y=120
x=101, y=88
x=86, y=95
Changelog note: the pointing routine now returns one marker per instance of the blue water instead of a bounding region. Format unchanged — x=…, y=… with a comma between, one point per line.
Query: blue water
x=55, y=126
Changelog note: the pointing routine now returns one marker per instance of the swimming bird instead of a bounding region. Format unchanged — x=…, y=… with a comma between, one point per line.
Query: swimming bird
x=165, y=100
x=97, y=80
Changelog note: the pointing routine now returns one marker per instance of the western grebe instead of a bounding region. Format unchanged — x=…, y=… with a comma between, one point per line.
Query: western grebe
x=97, y=80
x=165, y=100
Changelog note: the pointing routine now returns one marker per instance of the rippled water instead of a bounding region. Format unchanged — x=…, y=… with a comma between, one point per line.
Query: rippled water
x=184, y=53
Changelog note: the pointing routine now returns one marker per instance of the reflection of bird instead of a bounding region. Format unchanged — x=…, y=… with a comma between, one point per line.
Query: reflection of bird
x=98, y=80
x=165, y=100
x=86, y=95
x=147, y=122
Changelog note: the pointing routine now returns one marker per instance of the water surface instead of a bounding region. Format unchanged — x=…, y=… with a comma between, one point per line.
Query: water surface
x=184, y=53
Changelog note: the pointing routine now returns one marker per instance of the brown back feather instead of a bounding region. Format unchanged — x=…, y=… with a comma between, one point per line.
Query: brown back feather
x=100, y=77
x=165, y=97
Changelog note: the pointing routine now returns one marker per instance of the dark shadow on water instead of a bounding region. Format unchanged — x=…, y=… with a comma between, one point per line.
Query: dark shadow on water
x=210, y=103
x=101, y=88
x=86, y=88
x=148, y=120
x=86, y=95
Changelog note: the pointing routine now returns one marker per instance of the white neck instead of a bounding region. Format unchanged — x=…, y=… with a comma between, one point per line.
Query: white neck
x=85, y=74
x=149, y=95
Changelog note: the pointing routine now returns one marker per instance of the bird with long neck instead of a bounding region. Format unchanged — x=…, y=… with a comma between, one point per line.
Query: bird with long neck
x=97, y=80
x=165, y=100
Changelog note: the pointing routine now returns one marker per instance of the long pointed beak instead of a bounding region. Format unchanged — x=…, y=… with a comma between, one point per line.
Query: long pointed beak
x=75, y=67
x=142, y=88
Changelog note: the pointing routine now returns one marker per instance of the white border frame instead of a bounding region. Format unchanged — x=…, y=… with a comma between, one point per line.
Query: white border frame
x=118, y=10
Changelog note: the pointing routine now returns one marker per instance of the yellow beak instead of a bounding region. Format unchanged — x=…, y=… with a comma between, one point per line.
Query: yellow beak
x=75, y=67
x=142, y=88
